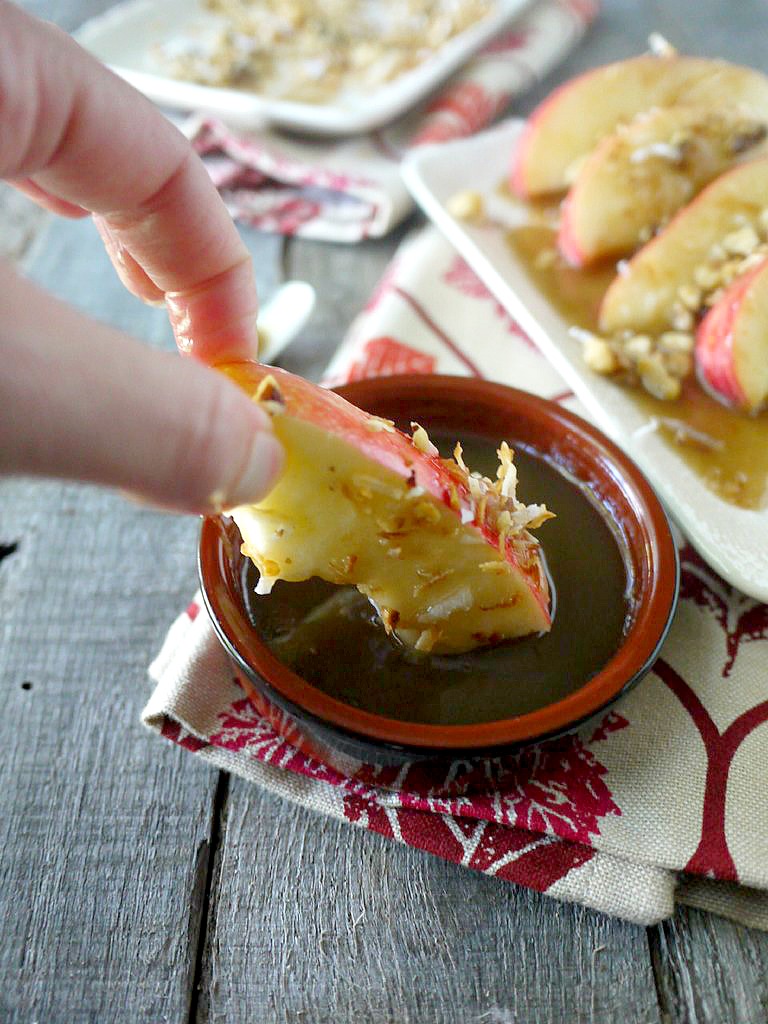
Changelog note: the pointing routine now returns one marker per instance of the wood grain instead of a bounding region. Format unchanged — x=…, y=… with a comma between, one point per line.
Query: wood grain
x=104, y=834
x=315, y=921
x=344, y=277
x=709, y=969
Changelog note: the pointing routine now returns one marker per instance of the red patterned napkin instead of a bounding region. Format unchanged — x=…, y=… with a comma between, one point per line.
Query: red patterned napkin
x=663, y=800
x=349, y=190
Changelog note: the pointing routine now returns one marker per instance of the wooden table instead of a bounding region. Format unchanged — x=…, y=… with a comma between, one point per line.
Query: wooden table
x=137, y=884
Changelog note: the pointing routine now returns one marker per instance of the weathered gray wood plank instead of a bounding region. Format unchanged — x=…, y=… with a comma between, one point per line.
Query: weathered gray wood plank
x=315, y=921
x=709, y=969
x=103, y=834
x=104, y=831
x=344, y=277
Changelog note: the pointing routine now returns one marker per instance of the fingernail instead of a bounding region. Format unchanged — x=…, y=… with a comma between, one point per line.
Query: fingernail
x=261, y=473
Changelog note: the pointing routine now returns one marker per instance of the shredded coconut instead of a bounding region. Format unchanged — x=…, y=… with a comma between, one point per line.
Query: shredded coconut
x=663, y=150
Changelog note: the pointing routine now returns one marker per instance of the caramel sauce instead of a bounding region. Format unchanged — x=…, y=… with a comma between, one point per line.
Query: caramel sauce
x=727, y=449
x=332, y=636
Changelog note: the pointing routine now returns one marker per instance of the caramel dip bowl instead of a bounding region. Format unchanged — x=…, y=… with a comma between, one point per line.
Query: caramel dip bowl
x=346, y=734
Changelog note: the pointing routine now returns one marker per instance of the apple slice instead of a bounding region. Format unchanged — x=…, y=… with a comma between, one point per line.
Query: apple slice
x=446, y=558
x=643, y=297
x=577, y=115
x=732, y=342
x=644, y=172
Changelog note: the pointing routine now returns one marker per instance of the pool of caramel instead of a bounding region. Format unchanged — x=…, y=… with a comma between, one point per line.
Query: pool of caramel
x=726, y=448
x=332, y=637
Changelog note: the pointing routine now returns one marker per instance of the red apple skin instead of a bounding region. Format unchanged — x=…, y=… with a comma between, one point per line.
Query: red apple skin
x=716, y=358
x=639, y=199
x=518, y=178
x=392, y=449
x=626, y=88
x=640, y=298
x=334, y=414
x=518, y=172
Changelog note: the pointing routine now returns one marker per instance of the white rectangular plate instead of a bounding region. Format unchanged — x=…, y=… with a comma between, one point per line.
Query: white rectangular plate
x=732, y=540
x=125, y=36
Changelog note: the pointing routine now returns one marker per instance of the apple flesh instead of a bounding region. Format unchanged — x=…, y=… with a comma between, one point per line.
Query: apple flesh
x=576, y=116
x=732, y=343
x=646, y=171
x=643, y=297
x=446, y=559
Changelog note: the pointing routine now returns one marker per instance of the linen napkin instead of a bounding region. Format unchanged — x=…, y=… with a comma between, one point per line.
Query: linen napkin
x=349, y=190
x=663, y=800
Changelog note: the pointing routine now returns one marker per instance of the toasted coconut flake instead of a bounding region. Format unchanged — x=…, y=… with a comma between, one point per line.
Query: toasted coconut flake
x=390, y=618
x=495, y=568
x=268, y=392
x=660, y=47
x=421, y=440
x=660, y=150
x=344, y=566
x=426, y=512
x=429, y=580
x=684, y=434
x=458, y=455
x=264, y=585
x=509, y=603
x=507, y=471
x=535, y=515
x=457, y=600
x=377, y=424
x=427, y=639
x=216, y=501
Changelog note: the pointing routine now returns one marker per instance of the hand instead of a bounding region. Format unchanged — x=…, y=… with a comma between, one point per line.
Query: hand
x=78, y=399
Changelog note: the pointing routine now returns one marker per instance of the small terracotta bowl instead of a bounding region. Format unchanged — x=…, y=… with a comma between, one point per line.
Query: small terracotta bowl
x=346, y=736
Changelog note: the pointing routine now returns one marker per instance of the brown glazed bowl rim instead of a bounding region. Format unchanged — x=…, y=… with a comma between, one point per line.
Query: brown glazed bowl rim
x=654, y=603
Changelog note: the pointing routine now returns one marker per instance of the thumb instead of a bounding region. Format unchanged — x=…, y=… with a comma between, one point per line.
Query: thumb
x=83, y=401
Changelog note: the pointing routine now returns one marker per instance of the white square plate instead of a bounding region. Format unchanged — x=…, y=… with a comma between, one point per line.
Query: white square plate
x=734, y=541
x=124, y=38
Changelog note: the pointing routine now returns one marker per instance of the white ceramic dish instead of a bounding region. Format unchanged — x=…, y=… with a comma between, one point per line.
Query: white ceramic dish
x=733, y=541
x=284, y=316
x=125, y=35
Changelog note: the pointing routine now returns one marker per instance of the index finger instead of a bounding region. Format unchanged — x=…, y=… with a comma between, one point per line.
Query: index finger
x=83, y=135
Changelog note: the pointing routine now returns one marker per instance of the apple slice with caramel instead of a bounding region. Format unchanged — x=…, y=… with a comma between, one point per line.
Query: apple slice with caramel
x=644, y=172
x=579, y=114
x=706, y=243
x=732, y=342
x=445, y=556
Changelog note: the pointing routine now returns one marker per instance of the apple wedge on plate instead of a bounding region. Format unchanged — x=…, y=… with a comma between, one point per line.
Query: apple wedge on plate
x=446, y=557
x=582, y=112
x=732, y=342
x=644, y=172
x=728, y=217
